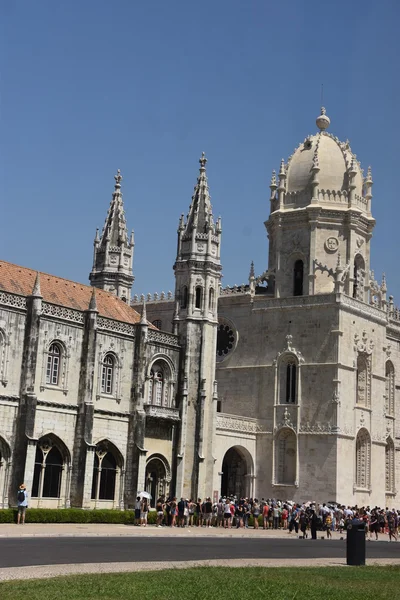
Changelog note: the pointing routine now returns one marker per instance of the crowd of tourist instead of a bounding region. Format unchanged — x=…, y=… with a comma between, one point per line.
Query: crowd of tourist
x=305, y=519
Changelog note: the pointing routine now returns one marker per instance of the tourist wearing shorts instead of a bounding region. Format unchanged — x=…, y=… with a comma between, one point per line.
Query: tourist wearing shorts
x=227, y=515
x=22, y=498
x=137, y=510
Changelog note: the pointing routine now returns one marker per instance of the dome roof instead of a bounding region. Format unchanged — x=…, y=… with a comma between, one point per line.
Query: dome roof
x=332, y=157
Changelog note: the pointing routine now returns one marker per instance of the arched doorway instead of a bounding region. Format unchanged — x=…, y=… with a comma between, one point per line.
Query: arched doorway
x=236, y=473
x=51, y=472
x=107, y=475
x=158, y=477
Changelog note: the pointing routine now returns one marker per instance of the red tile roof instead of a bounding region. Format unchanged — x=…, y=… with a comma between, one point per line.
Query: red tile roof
x=56, y=290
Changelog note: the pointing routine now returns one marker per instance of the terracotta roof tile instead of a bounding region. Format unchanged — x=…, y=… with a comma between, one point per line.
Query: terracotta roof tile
x=20, y=280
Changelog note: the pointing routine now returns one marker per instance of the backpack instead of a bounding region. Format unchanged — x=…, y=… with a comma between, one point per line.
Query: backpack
x=21, y=496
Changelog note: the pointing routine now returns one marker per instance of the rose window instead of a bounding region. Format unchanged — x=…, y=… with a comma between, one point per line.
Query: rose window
x=226, y=339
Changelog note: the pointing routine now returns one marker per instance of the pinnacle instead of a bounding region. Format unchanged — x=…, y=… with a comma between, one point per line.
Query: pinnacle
x=93, y=301
x=36, y=287
x=143, y=319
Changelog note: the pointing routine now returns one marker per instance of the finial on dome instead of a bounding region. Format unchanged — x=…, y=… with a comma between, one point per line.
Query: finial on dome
x=282, y=168
x=323, y=121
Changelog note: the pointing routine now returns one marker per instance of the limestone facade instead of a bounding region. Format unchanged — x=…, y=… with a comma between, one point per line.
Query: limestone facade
x=285, y=387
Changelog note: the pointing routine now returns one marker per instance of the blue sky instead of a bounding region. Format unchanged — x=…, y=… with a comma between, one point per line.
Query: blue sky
x=91, y=86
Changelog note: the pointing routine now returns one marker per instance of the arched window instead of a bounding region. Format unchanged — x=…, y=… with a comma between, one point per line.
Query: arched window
x=285, y=457
x=288, y=380
x=298, y=272
x=159, y=385
x=104, y=474
x=389, y=388
x=184, y=297
x=48, y=470
x=291, y=382
x=358, y=277
x=211, y=299
x=363, y=380
x=198, y=295
x=389, y=465
x=157, y=323
x=107, y=374
x=363, y=460
x=53, y=364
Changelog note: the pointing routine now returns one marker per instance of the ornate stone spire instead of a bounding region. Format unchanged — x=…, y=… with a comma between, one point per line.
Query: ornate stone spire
x=36, y=293
x=93, y=301
x=252, y=273
x=143, y=318
x=200, y=211
x=113, y=250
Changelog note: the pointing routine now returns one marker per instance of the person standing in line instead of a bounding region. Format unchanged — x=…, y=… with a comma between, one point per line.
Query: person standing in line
x=137, y=510
x=265, y=516
x=160, y=511
x=22, y=498
x=314, y=525
x=328, y=525
x=144, y=509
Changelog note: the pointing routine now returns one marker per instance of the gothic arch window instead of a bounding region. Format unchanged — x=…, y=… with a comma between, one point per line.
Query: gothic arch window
x=106, y=467
x=198, y=296
x=389, y=466
x=51, y=460
x=54, y=357
x=288, y=376
x=4, y=345
x=363, y=460
x=363, y=380
x=157, y=323
x=358, y=277
x=389, y=387
x=108, y=374
x=160, y=385
x=211, y=299
x=298, y=273
x=5, y=455
x=285, y=457
x=184, y=297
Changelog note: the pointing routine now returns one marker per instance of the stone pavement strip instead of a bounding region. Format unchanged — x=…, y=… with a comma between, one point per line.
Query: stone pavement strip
x=47, y=571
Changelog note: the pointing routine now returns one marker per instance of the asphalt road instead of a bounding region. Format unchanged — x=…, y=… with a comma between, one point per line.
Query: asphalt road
x=17, y=552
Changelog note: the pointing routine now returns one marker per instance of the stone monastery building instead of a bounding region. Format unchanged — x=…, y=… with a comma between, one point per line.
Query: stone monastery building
x=287, y=387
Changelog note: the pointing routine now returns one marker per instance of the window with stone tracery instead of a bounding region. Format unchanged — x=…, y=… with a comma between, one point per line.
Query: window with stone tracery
x=363, y=460
x=288, y=380
x=363, y=380
x=285, y=457
x=389, y=466
x=389, y=388
x=107, y=374
x=50, y=463
x=358, y=277
x=53, y=364
x=159, y=386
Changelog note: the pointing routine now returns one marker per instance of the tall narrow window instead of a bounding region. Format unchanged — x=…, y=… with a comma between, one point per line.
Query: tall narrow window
x=291, y=375
x=298, y=272
x=107, y=374
x=158, y=380
x=198, y=297
x=389, y=465
x=285, y=457
x=358, y=277
x=363, y=380
x=53, y=364
x=211, y=299
x=184, y=297
x=159, y=385
x=389, y=388
x=363, y=459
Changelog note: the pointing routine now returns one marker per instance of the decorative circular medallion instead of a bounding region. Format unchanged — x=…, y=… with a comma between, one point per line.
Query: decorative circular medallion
x=200, y=247
x=331, y=244
x=226, y=339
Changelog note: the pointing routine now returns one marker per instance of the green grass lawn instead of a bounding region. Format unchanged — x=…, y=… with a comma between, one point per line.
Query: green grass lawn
x=214, y=583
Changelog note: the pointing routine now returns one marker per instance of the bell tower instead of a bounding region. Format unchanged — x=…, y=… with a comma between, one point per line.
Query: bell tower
x=197, y=276
x=113, y=252
x=320, y=221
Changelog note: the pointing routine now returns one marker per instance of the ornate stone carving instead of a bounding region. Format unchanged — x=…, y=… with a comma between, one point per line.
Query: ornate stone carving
x=162, y=412
x=116, y=326
x=61, y=312
x=286, y=421
x=318, y=427
x=227, y=422
x=362, y=344
x=12, y=300
x=161, y=337
x=290, y=349
x=332, y=244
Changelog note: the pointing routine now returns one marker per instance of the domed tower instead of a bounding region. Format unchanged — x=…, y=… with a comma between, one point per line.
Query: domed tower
x=320, y=219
